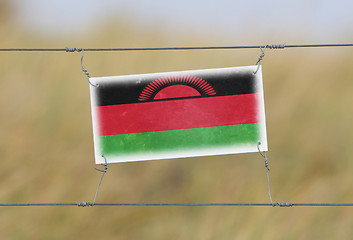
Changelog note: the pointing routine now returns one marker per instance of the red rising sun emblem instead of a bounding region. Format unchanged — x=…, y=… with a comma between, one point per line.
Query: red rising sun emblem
x=179, y=86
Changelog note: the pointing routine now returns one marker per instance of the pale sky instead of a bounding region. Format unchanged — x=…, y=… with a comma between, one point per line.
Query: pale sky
x=314, y=20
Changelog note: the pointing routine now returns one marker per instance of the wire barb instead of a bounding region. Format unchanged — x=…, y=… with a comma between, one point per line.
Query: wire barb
x=103, y=172
x=276, y=46
x=285, y=204
x=84, y=204
x=68, y=49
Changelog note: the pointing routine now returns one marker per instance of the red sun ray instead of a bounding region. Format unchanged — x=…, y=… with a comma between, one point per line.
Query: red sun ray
x=176, y=86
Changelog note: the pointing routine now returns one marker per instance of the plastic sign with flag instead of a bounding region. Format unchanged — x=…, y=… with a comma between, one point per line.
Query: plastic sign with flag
x=178, y=114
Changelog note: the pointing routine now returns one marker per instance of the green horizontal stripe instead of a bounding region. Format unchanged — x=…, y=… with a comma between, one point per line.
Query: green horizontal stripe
x=184, y=139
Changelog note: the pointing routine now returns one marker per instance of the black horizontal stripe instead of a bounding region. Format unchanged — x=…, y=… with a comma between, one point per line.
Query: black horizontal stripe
x=127, y=89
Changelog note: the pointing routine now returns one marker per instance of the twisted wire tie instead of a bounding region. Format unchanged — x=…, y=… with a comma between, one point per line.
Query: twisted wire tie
x=276, y=46
x=283, y=204
x=68, y=49
x=84, y=204
x=262, y=55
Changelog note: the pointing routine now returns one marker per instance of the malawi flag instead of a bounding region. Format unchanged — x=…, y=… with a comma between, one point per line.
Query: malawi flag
x=178, y=114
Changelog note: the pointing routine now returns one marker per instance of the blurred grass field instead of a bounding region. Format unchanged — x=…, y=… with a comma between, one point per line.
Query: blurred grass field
x=47, y=147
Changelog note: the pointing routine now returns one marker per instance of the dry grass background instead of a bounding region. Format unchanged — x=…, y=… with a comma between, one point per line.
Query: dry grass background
x=47, y=150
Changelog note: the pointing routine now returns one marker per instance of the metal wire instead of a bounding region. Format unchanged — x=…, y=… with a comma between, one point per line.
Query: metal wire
x=263, y=154
x=270, y=46
x=258, y=64
x=86, y=204
x=84, y=70
x=35, y=204
x=103, y=172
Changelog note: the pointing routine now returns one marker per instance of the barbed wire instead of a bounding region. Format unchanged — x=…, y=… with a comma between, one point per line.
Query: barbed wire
x=88, y=204
x=269, y=46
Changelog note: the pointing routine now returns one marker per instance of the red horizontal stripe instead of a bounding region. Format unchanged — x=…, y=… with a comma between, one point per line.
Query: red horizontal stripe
x=177, y=114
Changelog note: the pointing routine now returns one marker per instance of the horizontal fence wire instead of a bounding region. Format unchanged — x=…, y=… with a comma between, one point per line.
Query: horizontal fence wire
x=271, y=46
x=88, y=204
